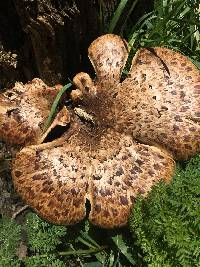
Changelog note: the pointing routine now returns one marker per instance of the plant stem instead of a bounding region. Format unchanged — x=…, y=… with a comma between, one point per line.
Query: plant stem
x=69, y=253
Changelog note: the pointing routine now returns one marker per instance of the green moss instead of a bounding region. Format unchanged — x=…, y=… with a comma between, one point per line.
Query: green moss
x=166, y=225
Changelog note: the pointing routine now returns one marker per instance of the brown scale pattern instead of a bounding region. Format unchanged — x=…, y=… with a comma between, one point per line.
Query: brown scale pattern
x=24, y=110
x=66, y=172
x=123, y=138
x=117, y=178
x=55, y=183
x=162, y=101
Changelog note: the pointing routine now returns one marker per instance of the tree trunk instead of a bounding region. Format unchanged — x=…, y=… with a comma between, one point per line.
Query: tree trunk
x=49, y=37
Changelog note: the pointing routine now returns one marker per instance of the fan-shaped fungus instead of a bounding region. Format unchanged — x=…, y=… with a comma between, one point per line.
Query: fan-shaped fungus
x=123, y=137
x=24, y=110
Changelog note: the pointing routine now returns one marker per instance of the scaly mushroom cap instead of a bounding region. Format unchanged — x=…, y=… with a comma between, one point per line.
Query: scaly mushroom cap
x=161, y=101
x=115, y=147
x=109, y=171
x=24, y=110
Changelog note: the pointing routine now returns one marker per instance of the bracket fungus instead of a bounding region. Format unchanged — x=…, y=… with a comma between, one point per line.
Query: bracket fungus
x=123, y=136
x=24, y=110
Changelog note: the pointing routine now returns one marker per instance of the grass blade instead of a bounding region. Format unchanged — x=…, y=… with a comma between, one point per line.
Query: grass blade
x=55, y=104
x=117, y=15
x=119, y=242
x=128, y=14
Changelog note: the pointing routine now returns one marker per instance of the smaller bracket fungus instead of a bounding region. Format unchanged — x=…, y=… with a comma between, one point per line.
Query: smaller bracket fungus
x=123, y=136
x=24, y=110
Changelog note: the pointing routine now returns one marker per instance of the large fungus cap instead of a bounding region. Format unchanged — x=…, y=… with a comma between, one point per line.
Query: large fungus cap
x=24, y=110
x=161, y=101
x=122, y=140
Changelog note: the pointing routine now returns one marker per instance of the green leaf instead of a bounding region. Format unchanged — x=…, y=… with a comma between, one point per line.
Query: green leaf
x=93, y=264
x=55, y=104
x=166, y=222
x=117, y=15
x=119, y=242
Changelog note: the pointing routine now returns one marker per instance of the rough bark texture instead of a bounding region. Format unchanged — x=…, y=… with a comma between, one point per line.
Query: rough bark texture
x=49, y=37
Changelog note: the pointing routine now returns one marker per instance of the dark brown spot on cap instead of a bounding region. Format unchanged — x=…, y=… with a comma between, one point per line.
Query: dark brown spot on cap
x=176, y=128
x=151, y=173
x=56, y=213
x=73, y=192
x=74, y=168
x=123, y=200
x=139, y=62
x=96, y=177
x=117, y=184
x=192, y=129
x=128, y=183
x=18, y=173
x=178, y=118
x=173, y=92
x=139, y=162
x=135, y=170
x=30, y=193
x=51, y=203
x=110, y=181
x=47, y=189
x=25, y=129
x=184, y=109
x=189, y=147
x=114, y=212
x=106, y=213
x=183, y=64
x=124, y=157
x=38, y=177
x=186, y=138
x=141, y=190
x=160, y=156
x=54, y=172
x=105, y=192
x=182, y=94
x=97, y=208
x=197, y=114
x=61, y=158
x=132, y=198
x=60, y=197
x=65, y=213
x=77, y=202
x=163, y=135
x=188, y=69
x=47, y=182
x=17, y=116
x=119, y=172
x=156, y=166
x=173, y=62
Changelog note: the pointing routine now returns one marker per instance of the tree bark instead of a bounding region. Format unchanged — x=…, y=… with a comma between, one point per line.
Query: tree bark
x=49, y=37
